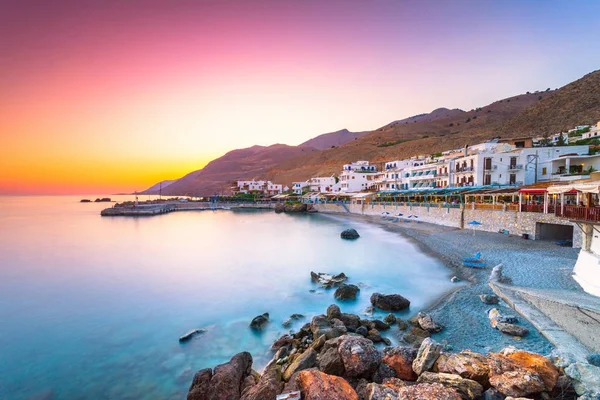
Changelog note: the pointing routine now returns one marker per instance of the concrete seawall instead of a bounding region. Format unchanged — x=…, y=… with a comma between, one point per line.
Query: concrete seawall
x=516, y=223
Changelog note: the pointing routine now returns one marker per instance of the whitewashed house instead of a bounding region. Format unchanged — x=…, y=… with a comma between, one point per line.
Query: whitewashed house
x=297, y=187
x=324, y=184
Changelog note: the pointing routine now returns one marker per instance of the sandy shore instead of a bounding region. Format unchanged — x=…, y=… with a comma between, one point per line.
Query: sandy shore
x=538, y=264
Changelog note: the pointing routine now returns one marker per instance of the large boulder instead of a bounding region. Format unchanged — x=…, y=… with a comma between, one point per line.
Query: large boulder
x=315, y=385
x=346, y=292
x=330, y=362
x=467, y=388
x=427, y=323
x=359, y=355
x=304, y=361
x=428, y=391
x=538, y=364
x=400, y=359
x=350, y=234
x=467, y=364
x=333, y=311
x=268, y=386
x=389, y=302
x=428, y=353
x=226, y=380
x=511, y=379
x=259, y=322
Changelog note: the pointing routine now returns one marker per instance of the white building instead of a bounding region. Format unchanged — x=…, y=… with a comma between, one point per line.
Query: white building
x=297, y=187
x=420, y=177
x=593, y=132
x=324, y=184
x=254, y=186
x=570, y=167
x=552, y=139
x=353, y=181
x=363, y=166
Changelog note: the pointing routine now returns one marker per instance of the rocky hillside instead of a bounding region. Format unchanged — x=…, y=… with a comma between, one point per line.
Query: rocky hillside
x=529, y=114
x=249, y=163
x=155, y=189
x=333, y=139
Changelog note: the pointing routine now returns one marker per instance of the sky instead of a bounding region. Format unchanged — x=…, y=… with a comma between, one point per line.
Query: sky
x=106, y=96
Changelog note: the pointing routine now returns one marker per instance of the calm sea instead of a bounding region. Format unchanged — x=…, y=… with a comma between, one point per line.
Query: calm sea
x=92, y=307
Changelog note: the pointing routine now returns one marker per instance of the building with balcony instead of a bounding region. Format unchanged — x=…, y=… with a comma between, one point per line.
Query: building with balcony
x=298, y=187
x=362, y=166
x=324, y=184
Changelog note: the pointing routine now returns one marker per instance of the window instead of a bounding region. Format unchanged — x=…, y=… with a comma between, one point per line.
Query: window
x=544, y=171
x=512, y=179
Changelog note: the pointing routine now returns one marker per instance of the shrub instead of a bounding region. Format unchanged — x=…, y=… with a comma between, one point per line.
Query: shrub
x=540, y=97
x=468, y=120
x=425, y=136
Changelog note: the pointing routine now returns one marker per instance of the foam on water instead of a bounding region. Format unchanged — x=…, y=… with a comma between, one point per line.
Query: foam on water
x=93, y=307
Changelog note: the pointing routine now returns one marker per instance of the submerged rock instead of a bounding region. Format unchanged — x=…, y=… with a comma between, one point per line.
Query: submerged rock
x=259, y=322
x=512, y=329
x=390, y=319
x=389, y=302
x=350, y=234
x=294, y=317
x=489, y=298
x=187, y=336
x=346, y=292
x=326, y=280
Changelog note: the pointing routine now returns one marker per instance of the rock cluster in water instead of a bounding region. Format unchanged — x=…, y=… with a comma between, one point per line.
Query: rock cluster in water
x=335, y=357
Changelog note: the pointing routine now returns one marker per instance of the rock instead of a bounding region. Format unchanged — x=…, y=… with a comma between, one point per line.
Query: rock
x=375, y=391
x=374, y=336
x=496, y=317
x=346, y=292
x=489, y=298
x=283, y=341
x=538, y=364
x=200, y=385
x=268, y=386
x=320, y=325
x=380, y=325
x=187, y=336
x=455, y=279
x=427, y=323
x=562, y=359
x=390, y=319
x=316, y=385
x=426, y=356
x=496, y=275
x=415, y=336
x=594, y=359
x=467, y=388
x=350, y=234
x=396, y=383
x=350, y=320
x=383, y=372
x=294, y=317
x=512, y=329
x=511, y=379
x=326, y=280
x=400, y=359
x=492, y=394
x=334, y=311
x=387, y=341
x=330, y=362
x=427, y=391
x=226, y=380
x=318, y=344
x=359, y=355
x=586, y=379
x=304, y=361
x=258, y=323
x=362, y=331
x=467, y=364
x=402, y=325
x=390, y=302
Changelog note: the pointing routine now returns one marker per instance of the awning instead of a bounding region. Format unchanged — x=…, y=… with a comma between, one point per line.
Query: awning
x=533, y=191
x=590, y=187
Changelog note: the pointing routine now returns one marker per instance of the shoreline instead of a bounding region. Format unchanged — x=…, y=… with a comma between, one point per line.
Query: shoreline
x=460, y=309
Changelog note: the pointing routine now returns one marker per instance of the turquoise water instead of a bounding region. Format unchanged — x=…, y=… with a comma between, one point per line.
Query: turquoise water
x=93, y=307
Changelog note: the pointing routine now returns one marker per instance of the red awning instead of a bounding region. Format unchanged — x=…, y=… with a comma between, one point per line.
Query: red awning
x=533, y=191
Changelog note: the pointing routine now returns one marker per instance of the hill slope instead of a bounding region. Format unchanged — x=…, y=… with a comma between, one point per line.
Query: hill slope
x=333, y=139
x=248, y=163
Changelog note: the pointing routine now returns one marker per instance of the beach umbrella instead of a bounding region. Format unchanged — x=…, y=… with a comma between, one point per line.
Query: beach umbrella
x=473, y=223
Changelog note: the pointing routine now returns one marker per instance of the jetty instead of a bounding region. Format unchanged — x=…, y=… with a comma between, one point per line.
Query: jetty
x=150, y=209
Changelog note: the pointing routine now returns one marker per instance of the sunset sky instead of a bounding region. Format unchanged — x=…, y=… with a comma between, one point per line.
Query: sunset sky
x=111, y=96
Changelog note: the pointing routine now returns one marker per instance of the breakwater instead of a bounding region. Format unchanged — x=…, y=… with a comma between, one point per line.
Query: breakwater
x=149, y=209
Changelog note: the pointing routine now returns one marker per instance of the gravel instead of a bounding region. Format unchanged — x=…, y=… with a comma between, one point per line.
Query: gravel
x=536, y=264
